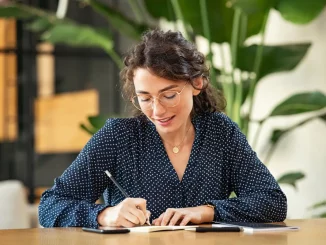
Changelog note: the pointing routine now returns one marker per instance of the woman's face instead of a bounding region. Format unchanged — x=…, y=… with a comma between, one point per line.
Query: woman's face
x=166, y=119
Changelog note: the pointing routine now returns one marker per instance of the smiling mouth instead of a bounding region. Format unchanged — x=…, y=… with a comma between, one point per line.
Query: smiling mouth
x=165, y=119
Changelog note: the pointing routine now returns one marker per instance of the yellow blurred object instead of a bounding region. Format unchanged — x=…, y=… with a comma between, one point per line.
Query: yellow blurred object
x=45, y=63
x=57, y=121
x=8, y=81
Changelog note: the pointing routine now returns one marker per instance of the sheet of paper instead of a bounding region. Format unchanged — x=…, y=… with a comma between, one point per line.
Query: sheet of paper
x=159, y=228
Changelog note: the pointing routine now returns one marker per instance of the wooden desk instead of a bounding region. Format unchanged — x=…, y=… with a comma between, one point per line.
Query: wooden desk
x=312, y=232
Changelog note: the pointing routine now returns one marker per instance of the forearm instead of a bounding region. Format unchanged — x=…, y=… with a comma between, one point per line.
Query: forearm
x=262, y=207
x=57, y=211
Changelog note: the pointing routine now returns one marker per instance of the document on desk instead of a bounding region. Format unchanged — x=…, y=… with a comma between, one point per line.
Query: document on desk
x=160, y=228
x=257, y=227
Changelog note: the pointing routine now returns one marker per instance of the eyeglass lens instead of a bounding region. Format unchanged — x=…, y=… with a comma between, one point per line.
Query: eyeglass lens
x=167, y=99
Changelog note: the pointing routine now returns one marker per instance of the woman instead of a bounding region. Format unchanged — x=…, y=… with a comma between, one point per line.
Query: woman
x=179, y=158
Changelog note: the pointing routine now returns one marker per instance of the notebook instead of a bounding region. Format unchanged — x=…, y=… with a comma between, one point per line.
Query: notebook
x=159, y=228
x=257, y=227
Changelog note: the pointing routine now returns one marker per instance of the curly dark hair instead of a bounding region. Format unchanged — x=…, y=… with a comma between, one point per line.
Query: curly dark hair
x=169, y=55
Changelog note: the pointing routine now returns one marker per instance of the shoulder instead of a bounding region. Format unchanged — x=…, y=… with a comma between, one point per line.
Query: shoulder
x=116, y=131
x=219, y=128
x=216, y=122
x=120, y=127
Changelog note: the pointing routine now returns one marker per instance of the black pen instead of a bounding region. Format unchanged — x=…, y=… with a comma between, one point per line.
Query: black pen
x=215, y=229
x=121, y=189
x=116, y=184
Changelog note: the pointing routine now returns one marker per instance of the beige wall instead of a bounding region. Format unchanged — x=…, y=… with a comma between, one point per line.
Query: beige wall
x=305, y=148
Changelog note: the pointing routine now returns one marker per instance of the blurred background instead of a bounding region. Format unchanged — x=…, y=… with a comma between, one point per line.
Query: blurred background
x=59, y=82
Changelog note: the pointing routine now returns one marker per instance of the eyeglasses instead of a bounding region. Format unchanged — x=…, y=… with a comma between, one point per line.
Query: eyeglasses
x=144, y=102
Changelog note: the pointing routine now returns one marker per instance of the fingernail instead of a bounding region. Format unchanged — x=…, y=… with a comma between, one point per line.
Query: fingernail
x=147, y=222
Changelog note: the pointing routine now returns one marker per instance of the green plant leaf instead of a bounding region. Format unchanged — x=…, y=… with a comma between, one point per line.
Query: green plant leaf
x=300, y=11
x=323, y=117
x=318, y=205
x=160, y=9
x=120, y=22
x=97, y=121
x=233, y=195
x=275, y=58
x=87, y=130
x=66, y=31
x=60, y=30
x=13, y=11
x=79, y=35
x=40, y=25
x=245, y=89
x=22, y=11
x=255, y=22
x=322, y=215
x=220, y=17
x=300, y=103
x=253, y=6
x=278, y=133
x=291, y=178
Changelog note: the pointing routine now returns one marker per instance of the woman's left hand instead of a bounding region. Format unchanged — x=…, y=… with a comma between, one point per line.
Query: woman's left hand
x=182, y=216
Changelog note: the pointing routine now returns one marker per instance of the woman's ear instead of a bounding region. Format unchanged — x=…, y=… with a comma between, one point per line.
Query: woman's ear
x=198, y=84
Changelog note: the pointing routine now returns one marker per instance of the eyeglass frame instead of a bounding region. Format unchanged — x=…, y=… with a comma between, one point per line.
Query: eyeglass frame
x=152, y=98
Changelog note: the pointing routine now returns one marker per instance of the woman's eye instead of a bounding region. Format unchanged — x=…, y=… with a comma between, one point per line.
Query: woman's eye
x=169, y=96
x=144, y=99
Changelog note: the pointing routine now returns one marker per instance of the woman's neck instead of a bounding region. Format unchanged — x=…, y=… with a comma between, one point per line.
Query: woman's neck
x=180, y=137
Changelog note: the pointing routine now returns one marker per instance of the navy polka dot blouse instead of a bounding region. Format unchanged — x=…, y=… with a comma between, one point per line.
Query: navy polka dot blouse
x=221, y=161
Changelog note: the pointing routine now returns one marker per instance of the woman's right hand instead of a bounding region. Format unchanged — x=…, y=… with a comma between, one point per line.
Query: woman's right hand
x=130, y=212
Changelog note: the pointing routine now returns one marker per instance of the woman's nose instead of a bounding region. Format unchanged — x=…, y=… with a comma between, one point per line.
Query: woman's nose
x=157, y=107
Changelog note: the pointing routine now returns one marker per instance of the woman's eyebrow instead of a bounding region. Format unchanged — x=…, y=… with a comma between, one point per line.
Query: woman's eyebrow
x=160, y=91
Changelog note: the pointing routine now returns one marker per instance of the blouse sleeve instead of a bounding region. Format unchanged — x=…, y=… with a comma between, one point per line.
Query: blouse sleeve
x=71, y=201
x=259, y=197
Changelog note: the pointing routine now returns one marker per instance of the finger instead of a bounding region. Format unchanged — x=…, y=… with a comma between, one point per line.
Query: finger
x=186, y=220
x=159, y=219
x=167, y=216
x=140, y=203
x=176, y=217
x=139, y=214
x=148, y=215
x=131, y=217
x=127, y=223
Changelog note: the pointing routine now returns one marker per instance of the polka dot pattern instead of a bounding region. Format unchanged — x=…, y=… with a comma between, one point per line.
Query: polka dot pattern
x=221, y=161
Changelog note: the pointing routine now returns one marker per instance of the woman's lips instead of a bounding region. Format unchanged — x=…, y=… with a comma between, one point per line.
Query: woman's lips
x=164, y=122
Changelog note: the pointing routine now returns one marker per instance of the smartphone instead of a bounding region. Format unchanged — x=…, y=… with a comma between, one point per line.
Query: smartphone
x=107, y=231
